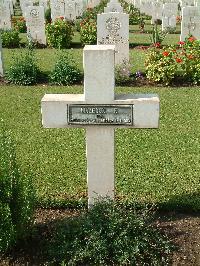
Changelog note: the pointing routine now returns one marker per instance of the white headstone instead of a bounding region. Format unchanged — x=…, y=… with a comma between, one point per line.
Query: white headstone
x=43, y=3
x=24, y=4
x=5, y=16
x=169, y=16
x=57, y=9
x=79, y=8
x=185, y=3
x=190, y=24
x=113, y=6
x=70, y=10
x=113, y=28
x=157, y=9
x=1, y=59
x=35, y=23
x=100, y=111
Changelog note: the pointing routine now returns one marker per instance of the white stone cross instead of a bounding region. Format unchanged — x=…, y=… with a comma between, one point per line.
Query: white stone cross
x=99, y=110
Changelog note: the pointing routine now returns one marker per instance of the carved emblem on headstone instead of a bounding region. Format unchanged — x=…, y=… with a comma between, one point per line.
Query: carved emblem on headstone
x=34, y=13
x=113, y=25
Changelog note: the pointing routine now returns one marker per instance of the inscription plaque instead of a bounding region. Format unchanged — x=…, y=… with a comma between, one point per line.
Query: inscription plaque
x=100, y=114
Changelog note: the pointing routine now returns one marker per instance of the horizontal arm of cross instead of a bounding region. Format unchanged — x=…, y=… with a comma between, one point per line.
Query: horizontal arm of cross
x=145, y=109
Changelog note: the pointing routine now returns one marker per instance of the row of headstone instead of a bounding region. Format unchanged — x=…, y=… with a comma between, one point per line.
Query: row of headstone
x=167, y=12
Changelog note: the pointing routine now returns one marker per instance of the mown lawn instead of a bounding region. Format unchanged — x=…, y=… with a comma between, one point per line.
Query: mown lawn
x=152, y=165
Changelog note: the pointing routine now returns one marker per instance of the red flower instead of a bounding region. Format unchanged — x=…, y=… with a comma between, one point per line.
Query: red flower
x=61, y=18
x=191, y=39
x=179, y=60
x=157, y=45
x=165, y=53
x=181, y=43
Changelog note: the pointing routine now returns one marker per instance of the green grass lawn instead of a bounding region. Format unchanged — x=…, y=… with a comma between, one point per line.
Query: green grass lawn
x=152, y=165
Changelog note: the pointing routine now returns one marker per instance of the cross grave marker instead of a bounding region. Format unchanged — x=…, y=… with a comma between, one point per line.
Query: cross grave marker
x=99, y=110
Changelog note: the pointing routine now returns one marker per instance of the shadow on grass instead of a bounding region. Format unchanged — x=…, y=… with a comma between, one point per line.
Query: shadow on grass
x=35, y=249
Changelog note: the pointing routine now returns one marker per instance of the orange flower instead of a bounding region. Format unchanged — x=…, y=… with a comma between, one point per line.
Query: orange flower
x=190, y=56
x=179, y=60
x=165, y=53
x=191, y=39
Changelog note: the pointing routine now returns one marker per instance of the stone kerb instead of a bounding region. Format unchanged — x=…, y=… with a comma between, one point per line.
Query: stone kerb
x=113, y=29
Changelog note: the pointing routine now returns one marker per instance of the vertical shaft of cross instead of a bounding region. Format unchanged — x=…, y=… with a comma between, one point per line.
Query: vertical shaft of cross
x=99, y=89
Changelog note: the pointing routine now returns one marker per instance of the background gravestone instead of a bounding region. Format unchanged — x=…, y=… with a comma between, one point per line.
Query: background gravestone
x=169, y=16
x=43, y=3
x=157, y=9
x=5, y=16
x=190, y=24
x=57, y=9
x=113, y=28
x=70, y=10
x=35, y=23
x=113, y=6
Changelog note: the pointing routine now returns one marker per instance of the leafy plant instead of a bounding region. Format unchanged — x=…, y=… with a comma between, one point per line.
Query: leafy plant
x=17, y=196
x=157, y=35
x=20, y=25
x=65, y=72
x=109, y=234
x=24, y=69
x=122, y=72
x=10, y=38
x=182, y=60
x=160, y=65
x=59, y=33
x=47, y=15
x=88, y=31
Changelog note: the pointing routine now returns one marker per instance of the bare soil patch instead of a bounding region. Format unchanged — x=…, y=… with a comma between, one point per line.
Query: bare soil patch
x=182, y=229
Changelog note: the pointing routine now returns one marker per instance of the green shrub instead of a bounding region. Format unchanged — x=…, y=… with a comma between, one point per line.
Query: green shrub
x=88, y=31
x=65, y=72
x=188, y=58
x=17, y=196
x=24, y=69
x=161, y=65
x=10, y=38
x=20, y=25
x=48, y=15
x=157, y=35
x=59, y=34
x=109, y=234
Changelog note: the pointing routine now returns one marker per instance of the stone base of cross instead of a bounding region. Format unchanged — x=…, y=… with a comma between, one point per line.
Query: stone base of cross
x=99, y=110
